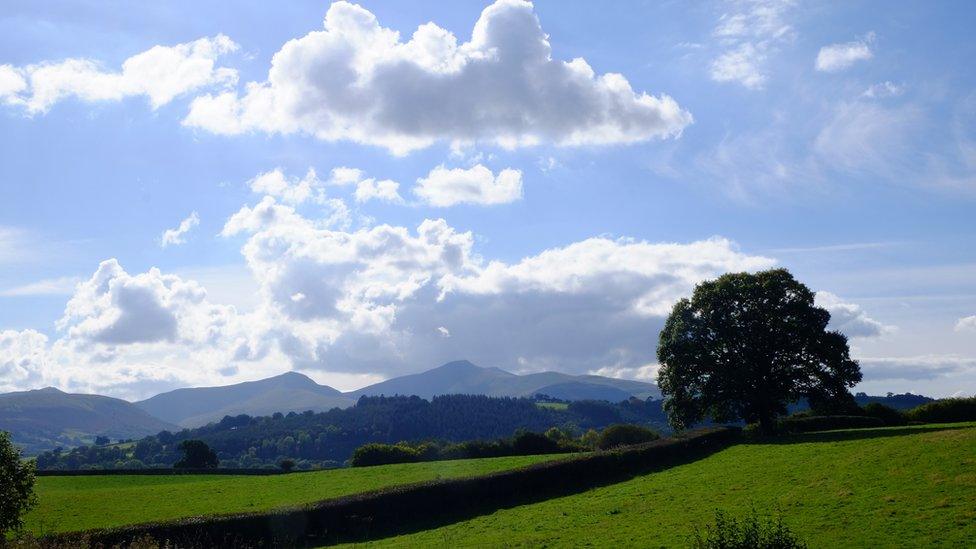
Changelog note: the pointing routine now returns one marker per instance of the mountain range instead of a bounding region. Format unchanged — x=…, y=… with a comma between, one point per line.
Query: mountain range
x=45, y=418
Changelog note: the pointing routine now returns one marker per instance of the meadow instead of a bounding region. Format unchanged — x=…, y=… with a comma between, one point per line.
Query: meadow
x=889, y=487
x=73, y=503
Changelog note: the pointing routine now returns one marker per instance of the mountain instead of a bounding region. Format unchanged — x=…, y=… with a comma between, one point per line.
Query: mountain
x=44, y=419
x=463, y=377
x=288, y=392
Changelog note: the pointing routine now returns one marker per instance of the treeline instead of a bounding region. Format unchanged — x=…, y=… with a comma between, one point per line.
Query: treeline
x=328, y=439
x=523, y=443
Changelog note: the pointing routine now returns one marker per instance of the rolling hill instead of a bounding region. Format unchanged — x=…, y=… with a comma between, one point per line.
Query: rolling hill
x=44, y=419
x=288, y=392
x=463, y=377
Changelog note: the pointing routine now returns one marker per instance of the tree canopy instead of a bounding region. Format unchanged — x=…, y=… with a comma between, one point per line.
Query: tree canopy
x=16, y=486
x=196, y=455
x=746, y=345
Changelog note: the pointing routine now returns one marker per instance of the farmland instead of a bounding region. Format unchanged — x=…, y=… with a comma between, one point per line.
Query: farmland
x=72, y=503
x=901, y=486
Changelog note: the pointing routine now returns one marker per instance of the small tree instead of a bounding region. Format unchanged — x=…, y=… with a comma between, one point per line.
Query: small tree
x=16, y=486
x=196, y=455
x=101, y=440
x=744, y=346
x=287, y=465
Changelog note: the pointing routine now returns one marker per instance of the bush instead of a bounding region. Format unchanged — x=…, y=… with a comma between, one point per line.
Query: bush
x=287, y=465
x=753, y=532
x=948, y=410
x=887, y=414
x=625, y=435
x=383, y=454
x=826, y=423
x=16, y=486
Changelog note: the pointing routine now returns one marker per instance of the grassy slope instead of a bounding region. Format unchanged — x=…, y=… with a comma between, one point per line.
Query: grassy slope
x=899, y=487
x=79, y=503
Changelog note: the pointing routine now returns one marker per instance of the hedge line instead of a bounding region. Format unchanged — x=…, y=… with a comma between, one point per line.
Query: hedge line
x=161, y=471
x=403, y=508
x=827, y=423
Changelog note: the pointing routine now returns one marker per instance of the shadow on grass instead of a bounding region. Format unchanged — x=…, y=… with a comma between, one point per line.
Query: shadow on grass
x=854, y=434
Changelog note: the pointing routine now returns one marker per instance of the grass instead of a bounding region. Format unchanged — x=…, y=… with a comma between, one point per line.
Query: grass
x=67, y=504
x=553, y=405
x=893, y=487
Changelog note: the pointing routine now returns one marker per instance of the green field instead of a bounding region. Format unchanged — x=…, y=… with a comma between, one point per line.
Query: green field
x=895, y=487
x=68, y=504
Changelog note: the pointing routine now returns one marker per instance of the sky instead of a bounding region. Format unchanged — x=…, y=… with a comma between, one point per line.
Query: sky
x=202, y=194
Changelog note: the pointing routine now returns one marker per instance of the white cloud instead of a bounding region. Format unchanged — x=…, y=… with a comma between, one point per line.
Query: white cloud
x=293, y=191
x=966, y=324
x=867, y=137
x=647, y=373
x=177, y=236
x=838, y=57
x=160, y=73
x=346, y=176
x=748, y=35
x=849, y=318
x=64, y=285
x=12, y=84
x=883, y=89
x=380, y=299
x=356, y=80
x=478, y=185
x=386, y=190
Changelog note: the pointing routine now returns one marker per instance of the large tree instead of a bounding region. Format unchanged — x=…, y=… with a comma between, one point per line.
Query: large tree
x=16, y=486
x=196, y=455
x=746, y=345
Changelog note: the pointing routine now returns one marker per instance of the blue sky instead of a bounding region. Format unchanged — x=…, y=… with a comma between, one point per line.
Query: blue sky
x=838, y=141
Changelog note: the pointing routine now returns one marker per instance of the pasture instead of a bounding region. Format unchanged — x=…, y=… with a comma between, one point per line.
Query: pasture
x=73, y=503
x=888, y=487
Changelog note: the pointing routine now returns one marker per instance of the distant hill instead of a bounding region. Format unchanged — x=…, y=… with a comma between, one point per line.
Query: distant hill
x=44, y=419
x=463, y=377
x=288, y=392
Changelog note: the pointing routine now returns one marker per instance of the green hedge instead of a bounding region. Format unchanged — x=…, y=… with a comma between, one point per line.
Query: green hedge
x=826, y=423
x=947, y=410
x=396, y=509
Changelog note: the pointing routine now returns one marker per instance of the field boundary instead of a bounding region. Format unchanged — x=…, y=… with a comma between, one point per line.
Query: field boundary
x=167, y=471
x=407, y=508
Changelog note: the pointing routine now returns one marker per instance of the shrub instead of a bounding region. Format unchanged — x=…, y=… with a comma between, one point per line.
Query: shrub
x=383, y=454
x=624, y=435
x=752, y=532
x=826, y=423
x=887, y=414
x=947, y=410
x=287, y=465
x=16, y=486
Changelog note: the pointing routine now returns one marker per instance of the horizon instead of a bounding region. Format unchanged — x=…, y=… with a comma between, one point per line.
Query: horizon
x=188, y=202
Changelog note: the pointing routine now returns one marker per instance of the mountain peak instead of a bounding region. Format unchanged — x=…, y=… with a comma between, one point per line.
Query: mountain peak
x=460, y=365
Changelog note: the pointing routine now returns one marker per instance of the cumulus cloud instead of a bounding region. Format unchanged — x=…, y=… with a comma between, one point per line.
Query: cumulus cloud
x=160, y=73
x=849, y=318
x=356, y=80
x=477, y=185
x=290, y=191
x=384, y=298
x=748, y=34
x=838, y=57
x=177, y=236
x=966, y=324
x=385, y=190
